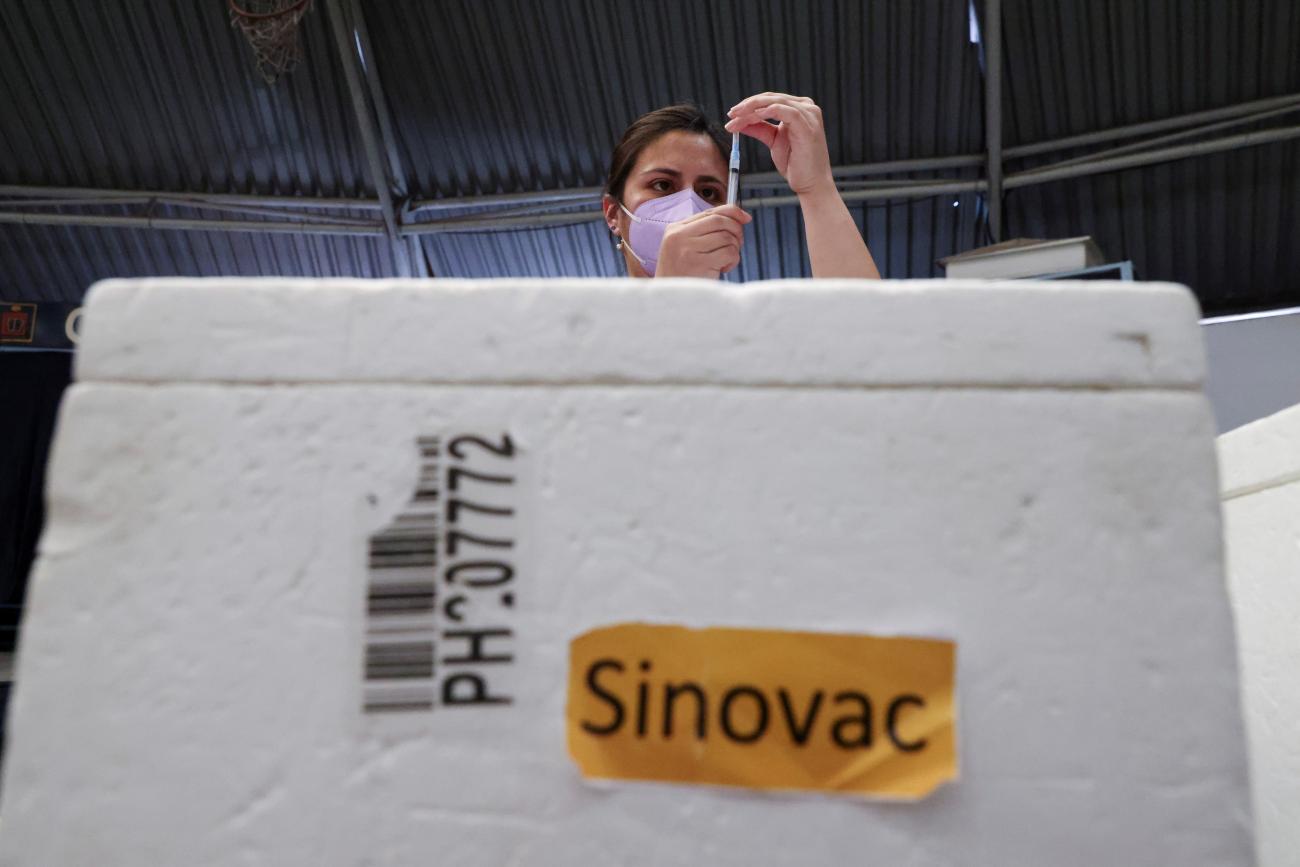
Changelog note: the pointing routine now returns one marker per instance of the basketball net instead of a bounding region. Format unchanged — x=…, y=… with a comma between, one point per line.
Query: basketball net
x=271, y=27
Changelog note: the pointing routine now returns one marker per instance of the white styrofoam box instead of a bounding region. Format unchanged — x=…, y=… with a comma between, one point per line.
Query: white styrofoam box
x=1024, y=257
x=1260, y=467
x=1027, y=469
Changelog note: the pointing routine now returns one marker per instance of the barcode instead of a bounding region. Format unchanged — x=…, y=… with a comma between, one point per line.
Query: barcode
x=402, y=597
x=457, y=532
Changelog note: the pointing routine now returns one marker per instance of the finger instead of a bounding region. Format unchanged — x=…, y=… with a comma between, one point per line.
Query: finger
x=786, y=114
x=722, y=259
x=731, y=212
x=808, y=112
x=734, y=212
x=713, y=240
x=725, y=260
x=723, y=216
x=698, y=245
x=703, y=242
x=719, y=262
x=719, y=256
x=726, y=224
x=759, y=100
x=754, y=127
x=747, y=117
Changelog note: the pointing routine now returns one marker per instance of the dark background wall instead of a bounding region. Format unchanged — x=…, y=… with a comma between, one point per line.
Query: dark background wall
x=31, y=384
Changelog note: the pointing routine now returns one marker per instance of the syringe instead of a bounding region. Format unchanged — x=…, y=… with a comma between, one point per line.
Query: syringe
x=733, y=170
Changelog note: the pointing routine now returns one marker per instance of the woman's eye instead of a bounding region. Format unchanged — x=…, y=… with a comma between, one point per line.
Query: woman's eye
x=709, y=194
x=661, y=186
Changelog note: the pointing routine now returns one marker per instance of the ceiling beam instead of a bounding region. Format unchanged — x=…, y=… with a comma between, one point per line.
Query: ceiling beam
x=1134, y=130
x=192, y=198
x=991, y=37
x=418, y=264
x=119, y=221
x=1107, y=161
x=346, y=41
x=1199, y=123
x=1045, y=174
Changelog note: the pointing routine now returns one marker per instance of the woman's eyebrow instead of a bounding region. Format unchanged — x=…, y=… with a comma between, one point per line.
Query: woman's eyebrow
x=709, y=179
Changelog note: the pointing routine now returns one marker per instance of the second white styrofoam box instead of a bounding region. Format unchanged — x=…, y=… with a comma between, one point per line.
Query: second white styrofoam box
x=1026, y=469
x=1260, y=465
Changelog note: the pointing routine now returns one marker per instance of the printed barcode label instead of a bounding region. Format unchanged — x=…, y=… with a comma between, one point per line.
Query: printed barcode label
x=440, y=581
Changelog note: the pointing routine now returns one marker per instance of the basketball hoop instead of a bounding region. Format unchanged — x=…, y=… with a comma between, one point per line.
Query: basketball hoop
x=271, y=27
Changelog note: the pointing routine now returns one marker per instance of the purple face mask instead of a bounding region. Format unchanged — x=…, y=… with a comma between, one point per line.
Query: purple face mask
x=652, y=217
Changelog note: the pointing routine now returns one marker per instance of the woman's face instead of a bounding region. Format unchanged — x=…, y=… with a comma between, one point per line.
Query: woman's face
x=673, y=162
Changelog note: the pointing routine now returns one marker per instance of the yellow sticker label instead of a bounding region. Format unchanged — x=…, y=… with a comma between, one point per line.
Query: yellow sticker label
x=763, y=709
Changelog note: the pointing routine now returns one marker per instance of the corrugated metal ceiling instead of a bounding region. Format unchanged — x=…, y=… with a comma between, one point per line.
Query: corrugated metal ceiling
x=163, y=96
x=57, y=263
x=508, y=95
x=1224, y=224
x=504, y=96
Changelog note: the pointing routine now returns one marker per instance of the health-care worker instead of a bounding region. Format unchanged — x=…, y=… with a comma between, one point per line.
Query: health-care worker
x=665, y=198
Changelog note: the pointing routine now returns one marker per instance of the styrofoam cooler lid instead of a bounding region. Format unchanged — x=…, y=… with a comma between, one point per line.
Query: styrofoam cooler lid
x=833, y=332
x=1262, y=454
x=1259, y=466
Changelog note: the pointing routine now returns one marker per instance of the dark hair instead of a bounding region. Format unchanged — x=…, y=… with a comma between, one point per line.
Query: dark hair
x=649, y=127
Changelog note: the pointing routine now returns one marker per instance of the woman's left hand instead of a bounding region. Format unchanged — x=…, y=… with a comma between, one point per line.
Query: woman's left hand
x=798, y=144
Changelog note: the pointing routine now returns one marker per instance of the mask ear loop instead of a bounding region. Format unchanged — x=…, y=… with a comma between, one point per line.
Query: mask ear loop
x=623, y=245
x=637, y=219
x=628, y=248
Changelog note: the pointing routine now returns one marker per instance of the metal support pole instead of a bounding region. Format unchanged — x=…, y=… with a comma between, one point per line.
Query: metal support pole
x=152, y=201
x=493, y=200
x=35, y=218
x=859, y=170
x=344, y=39
x=414, y=246
x=419, y=266
x=1148, y=127
x=378, y=99
x=992, y=32
x=1044, y=174
x=1150, y=144
x=883, y=194
x=196, y=199
x=490, y=222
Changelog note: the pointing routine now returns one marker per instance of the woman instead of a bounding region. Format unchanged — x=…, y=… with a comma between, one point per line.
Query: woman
x=667, y=179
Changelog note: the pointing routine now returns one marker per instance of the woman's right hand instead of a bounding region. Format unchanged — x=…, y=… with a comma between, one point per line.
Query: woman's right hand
x=704, y=245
